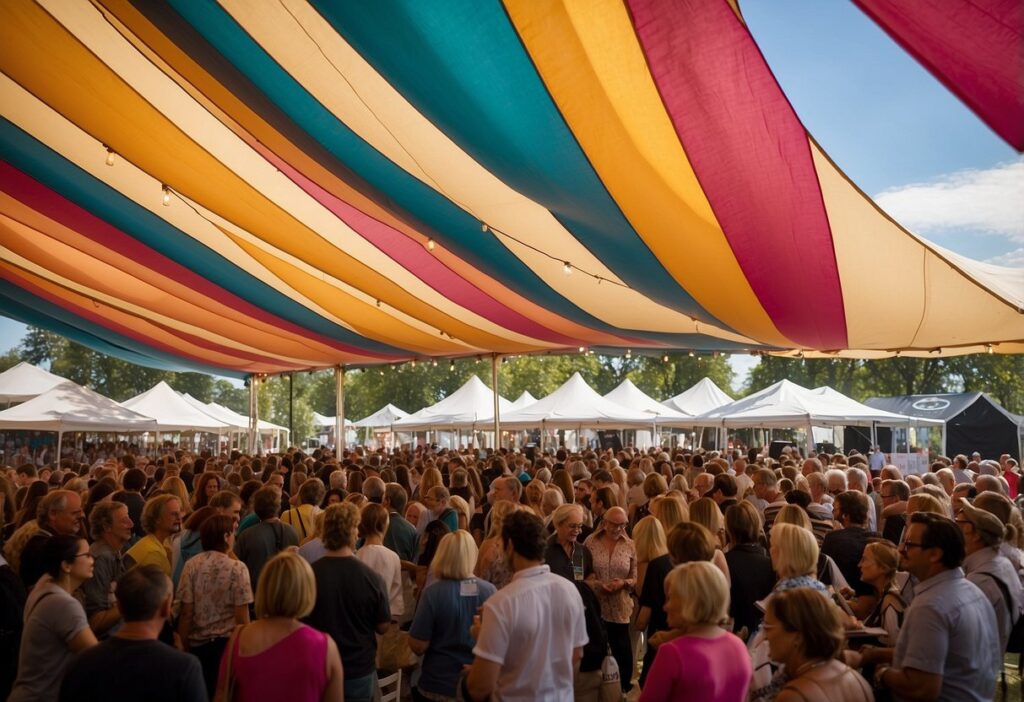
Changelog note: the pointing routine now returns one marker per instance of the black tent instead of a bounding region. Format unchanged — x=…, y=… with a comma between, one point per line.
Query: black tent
x=974, y=422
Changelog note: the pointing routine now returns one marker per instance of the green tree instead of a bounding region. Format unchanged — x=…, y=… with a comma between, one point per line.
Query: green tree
x=9, y=360
x=842, y=374
x=662, y=380
x=227, y=394
x=40, y=346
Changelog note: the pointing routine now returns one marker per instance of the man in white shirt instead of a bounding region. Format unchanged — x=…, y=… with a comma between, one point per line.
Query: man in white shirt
x=530, y=634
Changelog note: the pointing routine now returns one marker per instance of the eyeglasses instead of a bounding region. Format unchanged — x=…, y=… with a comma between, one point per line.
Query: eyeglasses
x=617, y=525
x=83, y=555
x=573, y=527
x=907, y=545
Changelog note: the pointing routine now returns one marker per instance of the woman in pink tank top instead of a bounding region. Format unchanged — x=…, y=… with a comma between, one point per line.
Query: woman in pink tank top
x=277, y=657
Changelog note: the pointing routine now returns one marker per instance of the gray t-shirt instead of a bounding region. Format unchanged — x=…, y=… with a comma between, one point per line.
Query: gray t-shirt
x=52, y=619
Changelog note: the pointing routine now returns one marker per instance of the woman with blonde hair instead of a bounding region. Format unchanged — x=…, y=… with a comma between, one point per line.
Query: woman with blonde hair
x=653, y=564
x=440, y=628
x=827, y=569
x=491, y=564
x=878, y=569
x=805, y=633
x=462, y=511
x=622, y=489
x=551, y=500
x=697, y=607
x=277, y=656
x=533, y=495
x=669, y=511
x=706, y=512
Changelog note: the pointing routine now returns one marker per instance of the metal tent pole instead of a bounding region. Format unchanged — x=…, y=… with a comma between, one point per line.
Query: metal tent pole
x=497, y=405
x=339, y=411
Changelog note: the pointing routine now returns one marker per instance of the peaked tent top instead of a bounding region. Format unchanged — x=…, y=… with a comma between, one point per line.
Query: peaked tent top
x=524, y=400
x=325, y=422
x=472, y=405
x=384, y=417
x=220, y=414
x=703, y=397
x=25, y=381
x=172, y=412
x=572, y=405
x=71, y=407
x=786, y=404
x=629, y=395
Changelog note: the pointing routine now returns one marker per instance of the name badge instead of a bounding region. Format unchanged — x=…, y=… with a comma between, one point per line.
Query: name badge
x=577, y=565
x=468, y=588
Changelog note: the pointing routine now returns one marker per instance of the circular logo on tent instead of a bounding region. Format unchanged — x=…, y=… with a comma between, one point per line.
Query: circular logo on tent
x=931, y=404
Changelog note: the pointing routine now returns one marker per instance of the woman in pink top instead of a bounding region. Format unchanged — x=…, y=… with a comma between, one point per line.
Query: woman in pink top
x=704, y=662
x=277, y=657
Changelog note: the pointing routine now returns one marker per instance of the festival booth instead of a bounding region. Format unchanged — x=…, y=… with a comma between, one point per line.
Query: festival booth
x=378, y=425
x=326, y=426
x=174, y=415
x=25, y=381
x=630, y=396
x=704, y=396
x=786, y=405
x=573, y=407
x=471, y=408
x=971, y=421
x=69, y=407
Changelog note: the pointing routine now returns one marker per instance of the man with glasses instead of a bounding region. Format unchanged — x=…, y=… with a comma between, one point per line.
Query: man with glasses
x=948, y=647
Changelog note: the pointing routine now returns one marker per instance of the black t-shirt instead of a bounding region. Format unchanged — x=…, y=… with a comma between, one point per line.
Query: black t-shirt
x=653, y=593
x=351, y=600
x=32, y=559
x=752, y=579
x=846, y=547
x=129, y=669
x=560, y=563
x=135, y=503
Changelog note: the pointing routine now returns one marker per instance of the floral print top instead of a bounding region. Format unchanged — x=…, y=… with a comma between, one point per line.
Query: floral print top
x=619, y=562
x=214, y=584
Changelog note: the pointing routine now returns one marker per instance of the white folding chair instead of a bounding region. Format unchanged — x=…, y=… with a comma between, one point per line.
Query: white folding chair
x=390, y=687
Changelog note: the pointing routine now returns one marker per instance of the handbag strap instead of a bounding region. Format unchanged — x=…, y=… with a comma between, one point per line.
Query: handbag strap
x=229, y=669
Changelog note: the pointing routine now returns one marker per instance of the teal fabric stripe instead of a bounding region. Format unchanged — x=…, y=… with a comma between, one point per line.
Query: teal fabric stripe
x=29, y=309
x=455, y=228
x=39, y=161
x=461, y=63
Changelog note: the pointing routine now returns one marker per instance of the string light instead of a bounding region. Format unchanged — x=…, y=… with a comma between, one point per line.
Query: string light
x=629, y=353
x=167, y=196
x=664, y=359
x=990, y=349
x=451, y=367
x=378, y=303
x=413, y=363
x=583, y=349
x=110, y=155
x=430, y=244
x=484, y=227
x=692, y=354
x=566, y=267
x=434, y=363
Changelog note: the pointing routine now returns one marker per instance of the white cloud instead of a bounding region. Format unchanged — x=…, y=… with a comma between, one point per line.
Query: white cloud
x=1014, y=259
x=986, y=201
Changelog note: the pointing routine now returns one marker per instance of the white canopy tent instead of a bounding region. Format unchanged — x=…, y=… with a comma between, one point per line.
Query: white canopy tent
x=235, y=419
x=572, y=406
x=469, y=407
x=524, y=400
x=629, y=395
x=172, y=412
x=703, y=397
x=322, y=421
x=219, y=413
x=788, y=405
x=25, y=381
x=71, y=407
x=384, y=417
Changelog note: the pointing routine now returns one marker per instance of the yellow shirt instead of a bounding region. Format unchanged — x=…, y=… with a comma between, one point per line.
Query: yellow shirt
x=149, y=550
x=301, y=519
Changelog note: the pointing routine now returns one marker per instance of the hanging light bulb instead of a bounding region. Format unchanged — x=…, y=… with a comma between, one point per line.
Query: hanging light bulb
x=692, y=354
x=990, y=348
x=484, y=227
x=451, y=367
x=567, y=268
x=434, y=363
x=382, y=371
x=167, y=196
x=430, y=244
x=629, y=353
x=583, y=349
x=414, y=363
x=664, y=359
x=110, y=156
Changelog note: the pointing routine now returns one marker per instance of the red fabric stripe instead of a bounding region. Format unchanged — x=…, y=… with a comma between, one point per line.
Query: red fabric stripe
x=753, y=159
x=414, y=258
x=34, y=194
x=974, y=47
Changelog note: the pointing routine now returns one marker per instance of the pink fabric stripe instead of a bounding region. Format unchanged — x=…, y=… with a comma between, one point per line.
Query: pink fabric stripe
x=974, y=47
x=34, y=194
x=412, y=256
x=752, y=157
x=100, y=320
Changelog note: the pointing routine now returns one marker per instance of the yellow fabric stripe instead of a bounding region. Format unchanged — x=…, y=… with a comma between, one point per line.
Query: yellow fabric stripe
x=588, y=56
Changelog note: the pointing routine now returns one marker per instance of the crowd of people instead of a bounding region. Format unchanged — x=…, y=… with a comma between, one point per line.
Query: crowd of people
x=683, y=575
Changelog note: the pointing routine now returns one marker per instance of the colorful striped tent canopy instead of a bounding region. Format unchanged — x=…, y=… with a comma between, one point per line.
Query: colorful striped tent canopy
x=263, y=186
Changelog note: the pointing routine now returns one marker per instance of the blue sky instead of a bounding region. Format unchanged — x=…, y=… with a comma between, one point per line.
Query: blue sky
x=892, y=127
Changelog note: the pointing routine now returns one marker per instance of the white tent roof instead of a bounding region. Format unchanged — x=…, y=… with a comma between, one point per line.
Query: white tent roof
x=25, y=381
x=524, y=400
x=572, y=405
x=629, y=395
x=469, y=406
x=172, y=412
x=703, y=397
x=786, y=404
x=263, y=424
x=71, y=407
x=220, y=414
x=384, y=417
x=325, y=422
